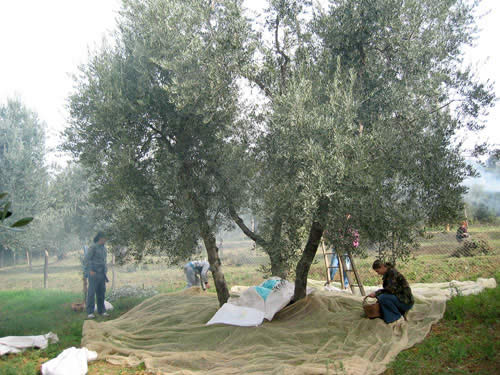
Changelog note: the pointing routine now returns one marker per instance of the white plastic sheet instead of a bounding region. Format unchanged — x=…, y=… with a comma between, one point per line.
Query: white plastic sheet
x=250, y=308
x=71, y=361
x=237, y=316
x=107, y=305
x=16, y=344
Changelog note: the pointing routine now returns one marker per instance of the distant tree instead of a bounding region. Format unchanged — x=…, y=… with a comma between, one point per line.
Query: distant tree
x=484, y=214
x=69, y=220
x=23, y=172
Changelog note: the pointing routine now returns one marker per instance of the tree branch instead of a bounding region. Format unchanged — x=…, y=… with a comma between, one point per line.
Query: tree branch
x=240, y=223
x=283, y=66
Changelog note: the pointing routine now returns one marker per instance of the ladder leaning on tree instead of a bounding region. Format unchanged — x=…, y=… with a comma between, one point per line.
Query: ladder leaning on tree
x=342, y=268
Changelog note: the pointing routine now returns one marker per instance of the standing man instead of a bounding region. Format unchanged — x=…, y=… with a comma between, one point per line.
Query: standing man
x=195, y=268
x=95, y=269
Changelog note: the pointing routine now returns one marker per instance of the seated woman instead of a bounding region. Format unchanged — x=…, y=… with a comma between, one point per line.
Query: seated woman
x=395, y=298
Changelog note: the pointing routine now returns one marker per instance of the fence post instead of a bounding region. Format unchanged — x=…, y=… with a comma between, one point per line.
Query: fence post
x=46, y=270
x=28, y=258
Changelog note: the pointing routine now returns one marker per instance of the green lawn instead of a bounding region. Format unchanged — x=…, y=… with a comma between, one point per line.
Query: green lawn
x=465, y=341
x=37, y=312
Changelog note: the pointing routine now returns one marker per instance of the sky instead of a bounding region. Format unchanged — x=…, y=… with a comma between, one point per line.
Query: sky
x=44, y=42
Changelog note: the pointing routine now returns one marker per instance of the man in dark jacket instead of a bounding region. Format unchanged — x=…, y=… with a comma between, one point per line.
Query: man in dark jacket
x=95, y=268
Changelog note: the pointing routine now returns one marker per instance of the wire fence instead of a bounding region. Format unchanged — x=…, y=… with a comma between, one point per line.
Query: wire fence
x=439, y=258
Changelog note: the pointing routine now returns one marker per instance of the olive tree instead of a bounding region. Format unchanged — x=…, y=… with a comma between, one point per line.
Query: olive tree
x=365, y=101
x=153, y=116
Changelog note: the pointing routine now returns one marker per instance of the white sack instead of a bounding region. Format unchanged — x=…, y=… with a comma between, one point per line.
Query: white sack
x=71, y=361
x=108, y=306
x=237, y=313
x=16, y=344
x=237, y=316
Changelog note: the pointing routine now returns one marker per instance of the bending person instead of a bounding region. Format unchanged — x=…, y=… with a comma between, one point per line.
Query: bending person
x=195, y=270
x=395, y=298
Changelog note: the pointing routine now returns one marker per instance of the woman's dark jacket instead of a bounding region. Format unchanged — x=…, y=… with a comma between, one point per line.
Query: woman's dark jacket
x=395, y=283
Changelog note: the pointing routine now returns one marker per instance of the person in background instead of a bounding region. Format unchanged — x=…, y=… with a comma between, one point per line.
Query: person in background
x=396, y=298
x=95, y=268
x=195, y=270
x=334, y=262
x=462, y=232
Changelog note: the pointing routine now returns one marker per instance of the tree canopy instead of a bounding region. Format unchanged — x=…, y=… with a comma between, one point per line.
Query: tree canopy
x=358, y=112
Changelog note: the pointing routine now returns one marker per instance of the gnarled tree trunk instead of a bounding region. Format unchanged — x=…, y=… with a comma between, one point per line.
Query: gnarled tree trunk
x=304, y=265
x=306, y=260
x=212, y=252
x=215, y=264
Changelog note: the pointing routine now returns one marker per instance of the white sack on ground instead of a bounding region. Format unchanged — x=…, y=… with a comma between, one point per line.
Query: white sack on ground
x=255, y=303
x=71, y=361
x=107, y=305
x=237, y=316
x=16, y=344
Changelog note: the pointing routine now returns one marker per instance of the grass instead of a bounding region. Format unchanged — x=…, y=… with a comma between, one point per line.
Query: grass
x=465, y=341
x=37, y=312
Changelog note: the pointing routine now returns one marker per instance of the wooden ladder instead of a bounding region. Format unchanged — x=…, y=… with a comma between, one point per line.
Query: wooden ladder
x=342, y=268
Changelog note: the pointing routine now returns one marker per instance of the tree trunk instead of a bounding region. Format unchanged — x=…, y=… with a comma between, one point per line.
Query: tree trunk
x=46, y=270
x=306, y=260
x=315, y=234
x=278, y=267
x=215, y=265
x=14, y=258
x=213, y=254
x=1, y=257
x=28, y=260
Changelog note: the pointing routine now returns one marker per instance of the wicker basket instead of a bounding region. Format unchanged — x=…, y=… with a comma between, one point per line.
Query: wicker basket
x=77, y=306
x=372, y=310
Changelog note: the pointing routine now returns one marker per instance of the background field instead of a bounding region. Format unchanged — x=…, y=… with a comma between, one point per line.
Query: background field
x=430, y=263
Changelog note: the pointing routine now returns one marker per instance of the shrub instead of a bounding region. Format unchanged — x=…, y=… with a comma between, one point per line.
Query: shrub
x=472, y=247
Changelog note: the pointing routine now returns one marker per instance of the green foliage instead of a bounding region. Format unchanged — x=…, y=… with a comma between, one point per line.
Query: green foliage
x=358, y=117
x=152, y=118
x=23, y=175
x=483, y=214
x=354, y=115
x=473, y=247
x=5, y=213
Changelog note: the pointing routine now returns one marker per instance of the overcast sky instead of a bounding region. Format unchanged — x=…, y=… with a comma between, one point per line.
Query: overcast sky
x=43, y=42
